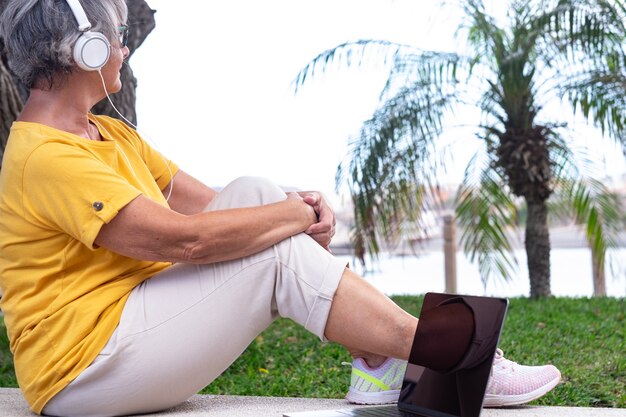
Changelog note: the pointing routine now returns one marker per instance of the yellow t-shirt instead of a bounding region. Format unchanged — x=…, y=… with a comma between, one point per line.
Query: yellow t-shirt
x=62, y=296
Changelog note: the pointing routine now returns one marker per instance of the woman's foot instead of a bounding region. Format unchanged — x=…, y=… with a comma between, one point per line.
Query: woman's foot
x=513, y=384
x=378, y=385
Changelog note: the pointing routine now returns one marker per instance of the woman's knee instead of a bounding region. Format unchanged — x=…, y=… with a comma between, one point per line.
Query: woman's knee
x=261, y=187
x=246, y=192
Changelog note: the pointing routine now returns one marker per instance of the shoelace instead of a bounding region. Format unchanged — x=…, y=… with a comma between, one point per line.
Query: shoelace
x=502, y=362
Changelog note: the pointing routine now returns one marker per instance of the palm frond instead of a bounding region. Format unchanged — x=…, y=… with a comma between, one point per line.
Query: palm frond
x=487, y=214
x=595, y=207
x=410, y=66
x=576, y=28
x=390, y=174
x=487, y=39
x=600, y=95
x=348, y=53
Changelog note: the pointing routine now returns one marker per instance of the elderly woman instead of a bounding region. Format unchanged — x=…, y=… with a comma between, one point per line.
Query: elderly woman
x=120, y=271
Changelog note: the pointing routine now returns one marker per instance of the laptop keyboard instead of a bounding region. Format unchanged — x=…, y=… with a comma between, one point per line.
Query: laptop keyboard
x=372, y=412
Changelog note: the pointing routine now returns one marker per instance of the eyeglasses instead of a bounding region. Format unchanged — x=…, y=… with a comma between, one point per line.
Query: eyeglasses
x=122, y=33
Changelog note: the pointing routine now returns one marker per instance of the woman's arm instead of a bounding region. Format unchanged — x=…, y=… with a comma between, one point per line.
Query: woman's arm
x=146, y=230
x=188, y=196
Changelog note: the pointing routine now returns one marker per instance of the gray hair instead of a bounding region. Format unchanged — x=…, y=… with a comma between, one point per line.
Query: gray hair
x=39, y=35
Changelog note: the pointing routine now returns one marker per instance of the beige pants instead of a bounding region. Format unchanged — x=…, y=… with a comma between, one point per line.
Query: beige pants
x=183, y=327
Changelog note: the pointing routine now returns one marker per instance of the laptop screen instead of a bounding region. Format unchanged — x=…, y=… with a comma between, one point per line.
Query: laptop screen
x=460, y=392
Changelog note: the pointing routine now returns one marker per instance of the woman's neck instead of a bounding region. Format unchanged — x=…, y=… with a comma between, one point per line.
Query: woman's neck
x=65, y=108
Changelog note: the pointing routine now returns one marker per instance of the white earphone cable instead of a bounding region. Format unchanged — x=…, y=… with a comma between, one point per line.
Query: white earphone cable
x=171, y=186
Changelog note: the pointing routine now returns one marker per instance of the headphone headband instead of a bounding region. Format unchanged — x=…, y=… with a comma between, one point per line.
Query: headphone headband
x=80, y=15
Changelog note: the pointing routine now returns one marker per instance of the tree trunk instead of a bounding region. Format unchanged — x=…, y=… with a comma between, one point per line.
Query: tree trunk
x=141, y=23
x=449, y=253
x=537, y=242
x=13, y=94
x=10, y=105
x=599, y=281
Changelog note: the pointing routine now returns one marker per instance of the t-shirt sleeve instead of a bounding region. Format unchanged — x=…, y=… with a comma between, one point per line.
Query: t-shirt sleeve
x=68, y=189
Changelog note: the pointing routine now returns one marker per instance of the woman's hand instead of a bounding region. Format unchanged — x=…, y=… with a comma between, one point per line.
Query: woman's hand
x=313, y=215
x=324, y=229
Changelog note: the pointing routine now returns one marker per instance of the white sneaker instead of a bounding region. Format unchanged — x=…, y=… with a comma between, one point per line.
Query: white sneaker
x=380, y=385
x=514, y=384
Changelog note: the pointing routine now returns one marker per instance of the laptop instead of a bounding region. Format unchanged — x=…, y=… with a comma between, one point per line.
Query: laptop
x=457, y=392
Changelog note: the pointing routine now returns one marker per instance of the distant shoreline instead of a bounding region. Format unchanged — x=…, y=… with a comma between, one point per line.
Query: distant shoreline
x=563, y=237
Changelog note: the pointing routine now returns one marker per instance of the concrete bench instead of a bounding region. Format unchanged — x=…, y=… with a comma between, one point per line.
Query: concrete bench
x=12, y=404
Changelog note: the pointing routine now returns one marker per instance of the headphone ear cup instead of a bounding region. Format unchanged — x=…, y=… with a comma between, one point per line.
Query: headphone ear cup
x=91, y=51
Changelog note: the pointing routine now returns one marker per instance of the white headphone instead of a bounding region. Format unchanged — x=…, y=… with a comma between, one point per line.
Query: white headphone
x=92, y=49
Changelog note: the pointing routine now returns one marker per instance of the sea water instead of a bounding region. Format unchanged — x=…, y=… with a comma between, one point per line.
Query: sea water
x=571, y=274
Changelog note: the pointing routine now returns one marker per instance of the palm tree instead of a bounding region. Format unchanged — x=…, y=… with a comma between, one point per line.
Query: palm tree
x=568, y=52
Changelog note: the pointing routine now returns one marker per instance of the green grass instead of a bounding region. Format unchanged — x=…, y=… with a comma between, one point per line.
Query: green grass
x=7, y=373
x=583, y=337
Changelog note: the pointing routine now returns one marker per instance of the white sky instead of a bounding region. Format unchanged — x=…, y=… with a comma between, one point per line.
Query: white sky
x=214, y=84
